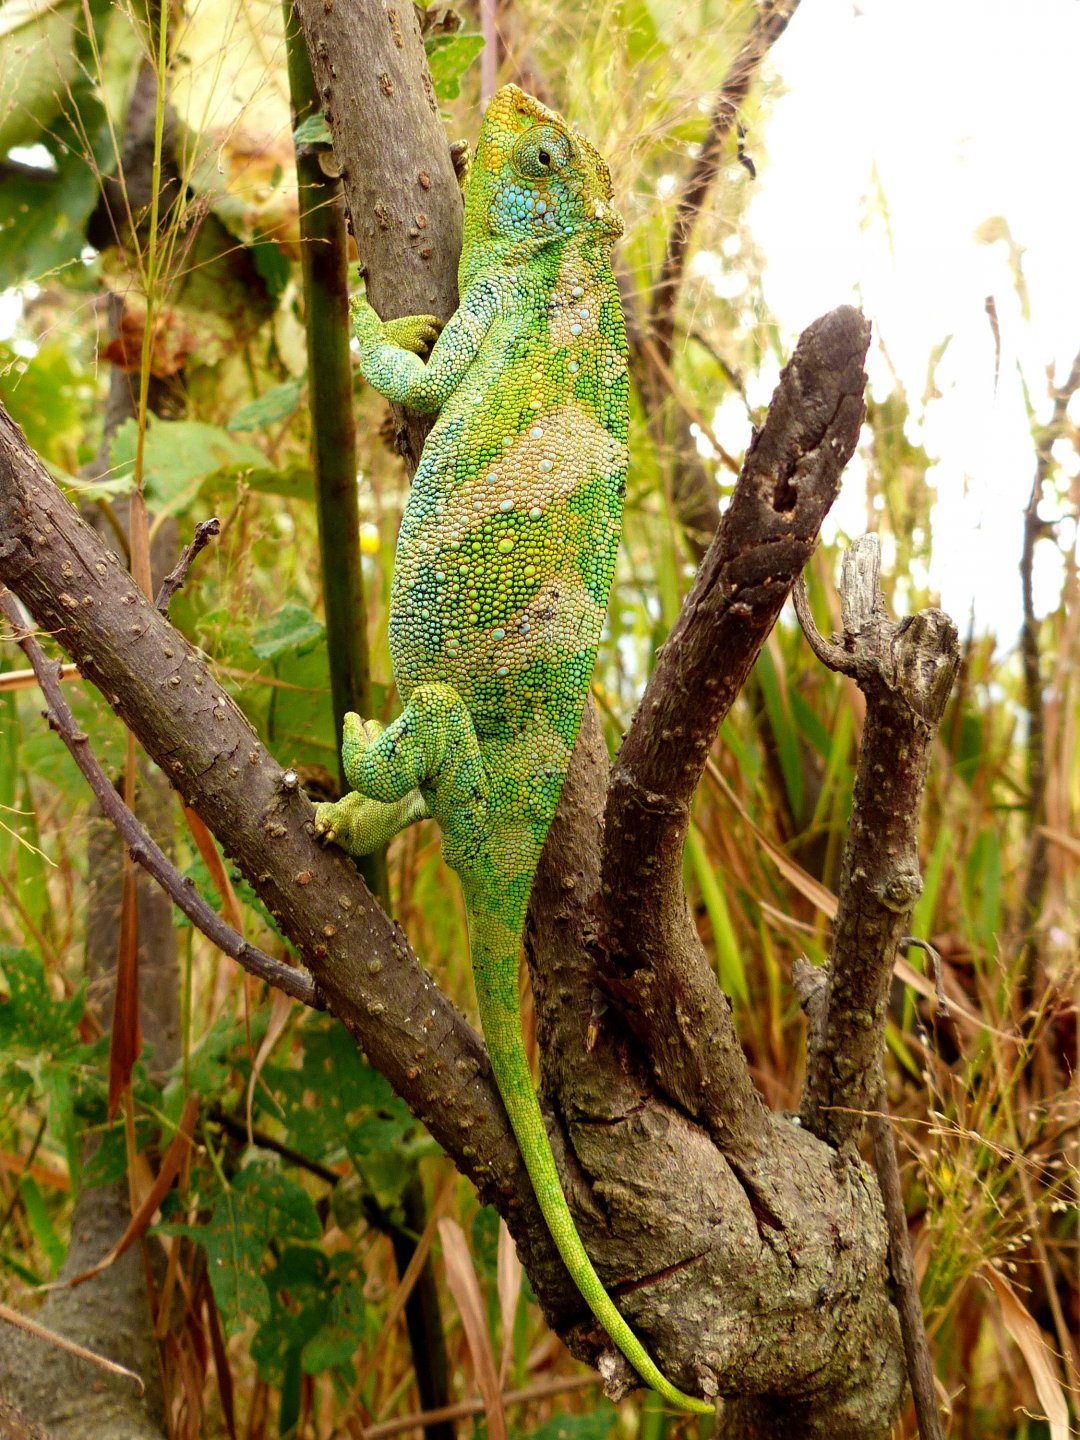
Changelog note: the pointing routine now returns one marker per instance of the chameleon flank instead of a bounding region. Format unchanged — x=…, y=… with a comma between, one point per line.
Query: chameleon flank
x=504, y=563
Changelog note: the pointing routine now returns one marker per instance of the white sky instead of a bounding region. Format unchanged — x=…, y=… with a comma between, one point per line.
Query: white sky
x=965, y=109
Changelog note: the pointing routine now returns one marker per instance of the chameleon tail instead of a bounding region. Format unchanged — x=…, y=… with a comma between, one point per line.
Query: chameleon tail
x=496, y=947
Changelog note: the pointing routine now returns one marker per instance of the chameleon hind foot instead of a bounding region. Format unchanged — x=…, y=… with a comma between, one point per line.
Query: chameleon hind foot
x=361, y=826
x=417, y=333
x=356, y=822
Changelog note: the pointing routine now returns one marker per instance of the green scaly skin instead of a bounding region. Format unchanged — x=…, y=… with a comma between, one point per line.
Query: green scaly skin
x=504, y=563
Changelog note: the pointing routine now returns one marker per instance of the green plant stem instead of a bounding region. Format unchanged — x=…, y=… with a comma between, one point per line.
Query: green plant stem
x=324, y=258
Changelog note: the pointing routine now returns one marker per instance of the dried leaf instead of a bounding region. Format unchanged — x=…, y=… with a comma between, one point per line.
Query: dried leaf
x=175, y=1155
x=508, y=1271
x=281, y=1007
x=226, y=1388
x=1037, y=1354
x=23, y=1322
x=125, y=1042
x=211, y=856
x=465, y=1288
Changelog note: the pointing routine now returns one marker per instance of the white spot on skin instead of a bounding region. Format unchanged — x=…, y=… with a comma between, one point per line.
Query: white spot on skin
x=506, y=505
x=535, y=513
x=545, y=465
x=503, y=670
x=498, y=634
x=583, y=313
x=575, y=329
x=536, y=432
x=577, y=292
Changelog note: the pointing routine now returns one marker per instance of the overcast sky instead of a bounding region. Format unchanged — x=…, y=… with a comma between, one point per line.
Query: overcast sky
x=953, y=112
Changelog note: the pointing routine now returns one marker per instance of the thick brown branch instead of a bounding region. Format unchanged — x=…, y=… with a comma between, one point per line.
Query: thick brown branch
x=365, y=972
x=905, y=669
x=768, y=25
x=790, y=478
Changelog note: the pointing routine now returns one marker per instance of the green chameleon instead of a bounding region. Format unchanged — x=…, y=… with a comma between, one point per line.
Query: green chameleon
x=504, y=563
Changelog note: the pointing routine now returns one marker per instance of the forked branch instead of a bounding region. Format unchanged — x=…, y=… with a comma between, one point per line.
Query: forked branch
x=790, y=477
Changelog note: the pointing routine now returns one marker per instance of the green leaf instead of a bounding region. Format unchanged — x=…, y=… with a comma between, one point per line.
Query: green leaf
x=30, y=1019
x=37, y=1215
x=317, y=1314
x=178, y=456
x=313, y=131
x=277, y=403
x=729, y=960
x=449, y=56
x=591, y=1425
x=357, y=1111
x=43, y=219
x=292, y=627
x=260, y=1206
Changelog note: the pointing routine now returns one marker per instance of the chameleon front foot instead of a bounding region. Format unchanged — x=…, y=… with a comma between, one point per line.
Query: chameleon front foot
x=417, y=333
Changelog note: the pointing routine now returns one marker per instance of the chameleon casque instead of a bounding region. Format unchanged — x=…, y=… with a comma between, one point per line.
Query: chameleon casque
x=504, y=562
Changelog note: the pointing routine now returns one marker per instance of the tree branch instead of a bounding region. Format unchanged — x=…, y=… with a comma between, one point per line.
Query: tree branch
x=790, y=478
x=364, y=971
x=402, y=193
x=905, y=669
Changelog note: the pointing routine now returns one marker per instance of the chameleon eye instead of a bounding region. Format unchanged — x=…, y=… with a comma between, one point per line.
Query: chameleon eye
x=540, y=152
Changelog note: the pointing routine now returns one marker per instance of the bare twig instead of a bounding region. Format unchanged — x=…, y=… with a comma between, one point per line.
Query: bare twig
x=906, y=670
x=768, y=25
x=920, y=1367
x=205, y=530
x=142, y=847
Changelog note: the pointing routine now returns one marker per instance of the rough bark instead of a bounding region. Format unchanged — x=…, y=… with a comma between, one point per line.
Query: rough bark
x=400, y=188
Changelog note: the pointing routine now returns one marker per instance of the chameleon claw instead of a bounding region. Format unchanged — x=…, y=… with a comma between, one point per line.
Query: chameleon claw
x=417, y=333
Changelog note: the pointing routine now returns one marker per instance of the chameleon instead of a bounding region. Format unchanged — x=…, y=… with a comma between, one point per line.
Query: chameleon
x=505, y=557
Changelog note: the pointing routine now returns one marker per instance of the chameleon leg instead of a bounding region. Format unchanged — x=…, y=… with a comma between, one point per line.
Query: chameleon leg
x=431, y=748
x=356, y=822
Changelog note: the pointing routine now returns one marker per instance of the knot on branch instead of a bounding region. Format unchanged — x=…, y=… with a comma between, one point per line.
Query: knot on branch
x=925, y=659
x=915, y=659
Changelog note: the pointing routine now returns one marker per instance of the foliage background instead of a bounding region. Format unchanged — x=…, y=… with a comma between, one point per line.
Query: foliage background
x=285, y=1245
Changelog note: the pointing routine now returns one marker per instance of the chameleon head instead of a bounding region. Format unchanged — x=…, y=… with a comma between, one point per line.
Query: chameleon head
x=533, y=178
